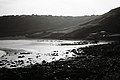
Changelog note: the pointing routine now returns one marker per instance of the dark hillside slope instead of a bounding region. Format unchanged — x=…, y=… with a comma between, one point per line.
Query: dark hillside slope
x=35, y=24
x=109, y=22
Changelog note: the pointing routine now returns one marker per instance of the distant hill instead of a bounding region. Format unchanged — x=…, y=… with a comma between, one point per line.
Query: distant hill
x=106, y=26
x=38, y=26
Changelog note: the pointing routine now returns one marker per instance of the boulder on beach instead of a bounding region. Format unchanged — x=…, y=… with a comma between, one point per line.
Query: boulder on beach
x=2, y=53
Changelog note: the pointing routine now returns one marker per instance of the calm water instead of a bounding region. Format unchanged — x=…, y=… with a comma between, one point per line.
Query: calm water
x=41, y=48
x=37, y=45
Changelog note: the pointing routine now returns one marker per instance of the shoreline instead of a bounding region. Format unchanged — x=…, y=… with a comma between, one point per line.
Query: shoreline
x=97, y=62
x=29, y=57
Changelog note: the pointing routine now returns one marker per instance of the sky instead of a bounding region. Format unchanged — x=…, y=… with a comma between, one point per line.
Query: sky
x=57, y=7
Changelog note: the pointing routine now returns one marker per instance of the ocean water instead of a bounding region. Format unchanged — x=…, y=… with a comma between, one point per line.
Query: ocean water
x=41, y=50
x=42, y=46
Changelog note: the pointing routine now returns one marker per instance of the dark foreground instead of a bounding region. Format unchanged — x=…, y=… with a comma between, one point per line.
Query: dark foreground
x=100, y=62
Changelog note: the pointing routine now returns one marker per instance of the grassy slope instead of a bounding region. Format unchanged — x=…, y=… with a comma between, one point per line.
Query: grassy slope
x=108, y=22
x=60, y=27
x=38, y=26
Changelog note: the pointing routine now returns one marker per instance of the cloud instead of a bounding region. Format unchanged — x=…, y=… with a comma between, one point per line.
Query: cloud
x=57, y=7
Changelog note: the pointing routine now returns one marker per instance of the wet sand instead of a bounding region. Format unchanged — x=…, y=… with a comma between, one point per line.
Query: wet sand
x=21, y=53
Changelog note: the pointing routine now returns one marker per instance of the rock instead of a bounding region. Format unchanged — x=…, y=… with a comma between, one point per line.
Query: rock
x=2, y=53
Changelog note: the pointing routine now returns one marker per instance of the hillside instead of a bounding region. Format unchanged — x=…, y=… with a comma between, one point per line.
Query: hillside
x=38, y=26
x=106, y=26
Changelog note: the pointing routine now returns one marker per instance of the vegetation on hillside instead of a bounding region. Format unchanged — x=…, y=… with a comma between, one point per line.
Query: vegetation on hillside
x=38, y=25
x=109, y=22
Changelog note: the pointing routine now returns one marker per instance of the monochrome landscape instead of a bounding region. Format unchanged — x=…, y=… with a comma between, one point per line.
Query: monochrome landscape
x=47, y=47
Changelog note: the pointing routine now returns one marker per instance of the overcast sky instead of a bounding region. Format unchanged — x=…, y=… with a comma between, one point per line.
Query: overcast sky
x=57, y=7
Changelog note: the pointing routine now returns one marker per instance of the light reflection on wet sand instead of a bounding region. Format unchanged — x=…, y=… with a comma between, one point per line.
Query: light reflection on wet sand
x=40, y=50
